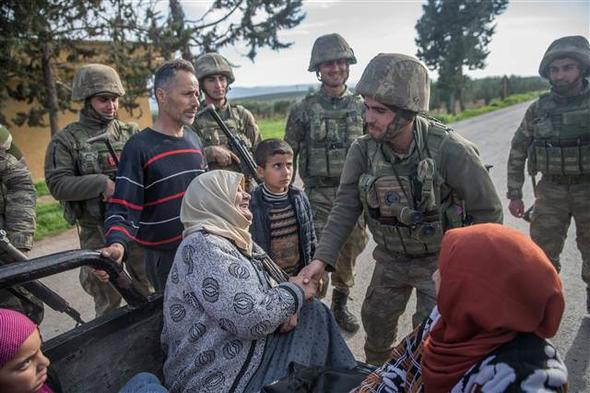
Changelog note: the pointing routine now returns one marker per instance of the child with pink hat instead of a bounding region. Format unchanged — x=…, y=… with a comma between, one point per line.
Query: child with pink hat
x=23, y=367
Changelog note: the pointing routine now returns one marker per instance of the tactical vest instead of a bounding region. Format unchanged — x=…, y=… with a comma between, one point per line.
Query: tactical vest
x=90, y=159
x=561, y=137
x=409, y=206
x=330, y=134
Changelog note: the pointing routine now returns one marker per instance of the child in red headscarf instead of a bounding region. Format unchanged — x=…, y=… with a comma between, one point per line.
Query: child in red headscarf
x=23, y=367
x=498, y=299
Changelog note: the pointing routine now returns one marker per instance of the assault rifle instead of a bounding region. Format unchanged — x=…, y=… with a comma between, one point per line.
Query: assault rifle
x=10, y=253
x=236, y=145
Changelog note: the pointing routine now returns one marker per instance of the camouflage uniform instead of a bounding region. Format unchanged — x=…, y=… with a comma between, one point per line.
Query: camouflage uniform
x=76, y=173
x=237, y=118
x=408, y=200
x=320, y=130
x=17, y=218
x=554, y=137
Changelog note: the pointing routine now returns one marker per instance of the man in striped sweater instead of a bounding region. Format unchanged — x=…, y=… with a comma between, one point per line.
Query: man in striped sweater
x=156, y=167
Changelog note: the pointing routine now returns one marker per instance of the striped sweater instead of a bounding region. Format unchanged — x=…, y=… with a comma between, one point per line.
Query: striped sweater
x=154, y=172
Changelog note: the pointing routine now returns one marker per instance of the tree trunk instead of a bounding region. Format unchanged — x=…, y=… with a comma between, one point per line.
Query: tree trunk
x=461, y=99
x=451, y=104
x=49, y=80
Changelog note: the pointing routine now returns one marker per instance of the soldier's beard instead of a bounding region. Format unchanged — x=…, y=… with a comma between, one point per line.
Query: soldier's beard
x=394, y=128
x=565, y=89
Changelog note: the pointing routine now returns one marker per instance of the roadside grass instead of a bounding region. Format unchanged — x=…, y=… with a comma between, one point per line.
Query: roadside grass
x=50, y=221
x=41, y=188
x=493, y=106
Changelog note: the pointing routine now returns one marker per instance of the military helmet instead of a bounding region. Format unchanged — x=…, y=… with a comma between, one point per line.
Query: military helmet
x=213, y=64
x=330, y=47
x=396, y=80
x=92, y=79
x=575, y=47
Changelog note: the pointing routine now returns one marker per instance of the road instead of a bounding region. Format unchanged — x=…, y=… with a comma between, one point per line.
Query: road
x=492, y=132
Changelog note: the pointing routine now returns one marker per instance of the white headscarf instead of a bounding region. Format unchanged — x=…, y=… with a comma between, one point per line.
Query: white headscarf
x=209, y=204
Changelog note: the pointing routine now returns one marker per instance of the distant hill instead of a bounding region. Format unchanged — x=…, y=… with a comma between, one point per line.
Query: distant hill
x=246, y=92
x=270, y=98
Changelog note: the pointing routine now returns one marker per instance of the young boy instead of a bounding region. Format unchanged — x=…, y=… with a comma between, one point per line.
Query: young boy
x=282, y=223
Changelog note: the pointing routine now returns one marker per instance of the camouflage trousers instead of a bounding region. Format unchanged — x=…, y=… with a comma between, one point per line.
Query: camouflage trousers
x=391, y=285
x=555, y=206
x=106, y=297
x=321, y=200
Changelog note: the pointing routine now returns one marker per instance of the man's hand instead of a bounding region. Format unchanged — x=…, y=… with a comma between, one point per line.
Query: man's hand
x=108, y=191
x=223, y=156
x=313, y=271
x=309, y=289
x=516, y=207
x=289, y=324
x=115, y=252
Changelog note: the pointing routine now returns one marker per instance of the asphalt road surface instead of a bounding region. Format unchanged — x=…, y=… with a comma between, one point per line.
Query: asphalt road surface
x=492, y=132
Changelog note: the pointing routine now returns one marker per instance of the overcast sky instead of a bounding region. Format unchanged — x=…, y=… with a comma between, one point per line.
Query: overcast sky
x=523, y=33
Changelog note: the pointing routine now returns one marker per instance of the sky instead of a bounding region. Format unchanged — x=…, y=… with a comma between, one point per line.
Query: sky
x=523, y=33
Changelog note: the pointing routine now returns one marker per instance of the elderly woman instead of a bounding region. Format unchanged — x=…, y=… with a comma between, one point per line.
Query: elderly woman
x=231, y=322
x=499, y=299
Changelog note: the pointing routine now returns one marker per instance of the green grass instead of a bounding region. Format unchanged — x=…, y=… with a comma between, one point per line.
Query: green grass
x=41, y=188
x=272, y=128
x=50, y=220
x=493, y=106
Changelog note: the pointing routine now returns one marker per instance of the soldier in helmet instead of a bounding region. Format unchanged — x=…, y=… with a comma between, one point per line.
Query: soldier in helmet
x=412, y=178
x=554, y=137
x=215, y=75
x=81, y=174
x=320, y=130
x=17, y=218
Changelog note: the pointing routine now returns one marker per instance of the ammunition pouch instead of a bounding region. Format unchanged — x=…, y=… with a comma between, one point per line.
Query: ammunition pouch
x=394, y=225
x=559, y=157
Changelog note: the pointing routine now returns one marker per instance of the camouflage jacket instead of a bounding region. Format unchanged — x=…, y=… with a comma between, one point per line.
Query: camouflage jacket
x=458, y=165
x=17, y=201
x=238, y=119
x=76, y=172
x=320, y=130
x=554, y=115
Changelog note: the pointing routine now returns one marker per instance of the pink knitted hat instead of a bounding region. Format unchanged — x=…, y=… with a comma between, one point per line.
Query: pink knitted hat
x=15, y=328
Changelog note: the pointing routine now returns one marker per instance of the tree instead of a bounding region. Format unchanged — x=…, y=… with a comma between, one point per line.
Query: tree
x=453, y=34
x=225, y=23
x=42, y=42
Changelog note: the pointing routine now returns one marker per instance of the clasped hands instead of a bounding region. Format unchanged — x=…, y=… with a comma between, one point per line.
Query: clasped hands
x=308, y=279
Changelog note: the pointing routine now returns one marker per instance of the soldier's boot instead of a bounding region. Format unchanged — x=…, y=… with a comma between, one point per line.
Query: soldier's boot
x=345, y=319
